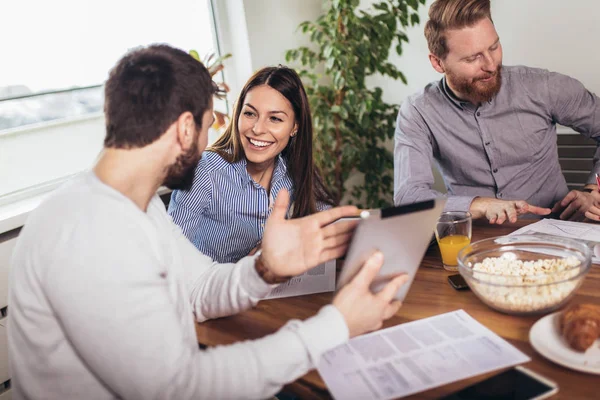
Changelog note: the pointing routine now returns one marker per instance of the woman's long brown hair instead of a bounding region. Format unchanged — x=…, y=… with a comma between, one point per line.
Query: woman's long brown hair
x=308, y=187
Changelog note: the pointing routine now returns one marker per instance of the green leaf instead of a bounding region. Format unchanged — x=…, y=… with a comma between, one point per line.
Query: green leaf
x=329, y=63
x=402, y=77
x=399, y=48
x=381, y=7
x=195, y=55
x=413, y=4
x=289, y=56
x=401, y=36
x=338, y=80
x=403, y=7
x=403, y=20
x=304, y=26
x=414, y=19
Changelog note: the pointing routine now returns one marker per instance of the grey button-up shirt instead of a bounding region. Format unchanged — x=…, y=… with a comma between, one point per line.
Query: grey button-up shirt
x=505, y=148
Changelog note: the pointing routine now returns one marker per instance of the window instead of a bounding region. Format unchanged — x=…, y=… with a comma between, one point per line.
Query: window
x=56, y=56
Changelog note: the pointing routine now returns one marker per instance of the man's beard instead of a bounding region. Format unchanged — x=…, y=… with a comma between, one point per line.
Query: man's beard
x=181, y=174
x=475, y=90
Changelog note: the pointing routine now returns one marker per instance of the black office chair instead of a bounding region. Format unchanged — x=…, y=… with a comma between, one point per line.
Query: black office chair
x=576, y=154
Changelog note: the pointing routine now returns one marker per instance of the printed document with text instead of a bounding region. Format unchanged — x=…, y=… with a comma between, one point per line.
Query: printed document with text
x=316, y=280
x=415, y=356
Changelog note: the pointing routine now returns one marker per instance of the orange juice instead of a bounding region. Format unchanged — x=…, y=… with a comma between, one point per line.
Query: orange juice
x=450, y=246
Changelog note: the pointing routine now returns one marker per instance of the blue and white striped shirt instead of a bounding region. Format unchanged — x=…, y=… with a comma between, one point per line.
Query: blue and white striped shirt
x=225, y=211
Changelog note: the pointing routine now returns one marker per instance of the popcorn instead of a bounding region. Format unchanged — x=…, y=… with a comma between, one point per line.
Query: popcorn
x=524, y=286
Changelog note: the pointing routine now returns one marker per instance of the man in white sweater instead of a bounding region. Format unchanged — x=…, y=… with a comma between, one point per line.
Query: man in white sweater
x=105, y=290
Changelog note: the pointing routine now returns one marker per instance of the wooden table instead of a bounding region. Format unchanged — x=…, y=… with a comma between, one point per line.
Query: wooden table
x=429, y=295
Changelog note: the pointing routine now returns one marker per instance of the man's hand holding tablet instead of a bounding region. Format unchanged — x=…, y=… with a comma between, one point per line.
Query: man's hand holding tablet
x=364, y=311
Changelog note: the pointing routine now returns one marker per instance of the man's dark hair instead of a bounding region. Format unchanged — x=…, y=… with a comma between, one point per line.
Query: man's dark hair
x=148, y=89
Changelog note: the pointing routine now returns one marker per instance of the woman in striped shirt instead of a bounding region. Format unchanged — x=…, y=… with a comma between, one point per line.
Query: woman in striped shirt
x=266, y=147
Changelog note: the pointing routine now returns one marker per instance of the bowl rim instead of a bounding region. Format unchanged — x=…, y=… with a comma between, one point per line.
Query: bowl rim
x=584, y=266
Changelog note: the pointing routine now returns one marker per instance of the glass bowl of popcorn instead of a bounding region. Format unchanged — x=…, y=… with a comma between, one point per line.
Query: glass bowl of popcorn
x=524, y=274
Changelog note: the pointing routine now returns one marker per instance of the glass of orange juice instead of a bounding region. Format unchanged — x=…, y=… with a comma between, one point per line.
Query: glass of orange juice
x=453, y=232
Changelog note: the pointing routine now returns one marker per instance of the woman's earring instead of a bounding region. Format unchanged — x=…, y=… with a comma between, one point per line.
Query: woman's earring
x=294, y=133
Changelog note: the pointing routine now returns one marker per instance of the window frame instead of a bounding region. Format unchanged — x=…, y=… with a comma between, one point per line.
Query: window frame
x=16, y=205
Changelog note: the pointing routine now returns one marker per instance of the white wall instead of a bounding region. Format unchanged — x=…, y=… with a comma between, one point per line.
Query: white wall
x=31, y=155
x=258, y=33
x=7, y=243
x=273, y=28
x=557, y=35
x=553, y=34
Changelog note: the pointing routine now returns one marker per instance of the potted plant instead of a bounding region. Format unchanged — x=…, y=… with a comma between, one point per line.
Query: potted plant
x=215, y=65
x=352, y=122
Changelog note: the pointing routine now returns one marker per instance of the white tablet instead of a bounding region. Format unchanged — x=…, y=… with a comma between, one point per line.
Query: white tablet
x=401, y=233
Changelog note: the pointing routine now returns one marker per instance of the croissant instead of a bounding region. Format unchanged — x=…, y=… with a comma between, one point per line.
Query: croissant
x=580, y=325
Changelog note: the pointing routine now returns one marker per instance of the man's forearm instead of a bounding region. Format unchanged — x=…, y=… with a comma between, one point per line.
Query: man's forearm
x=231, y=288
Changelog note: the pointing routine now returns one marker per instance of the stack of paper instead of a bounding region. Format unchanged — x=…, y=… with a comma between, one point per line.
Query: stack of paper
x=586, y=233
x=317, y=280
x=414, y=357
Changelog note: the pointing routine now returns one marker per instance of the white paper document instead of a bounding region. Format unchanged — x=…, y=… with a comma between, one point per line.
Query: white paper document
x=316, y=280
x=586, y=233
x=415, y=356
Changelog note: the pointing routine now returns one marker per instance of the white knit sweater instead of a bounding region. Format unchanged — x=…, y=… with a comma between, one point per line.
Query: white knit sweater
x=103, y=300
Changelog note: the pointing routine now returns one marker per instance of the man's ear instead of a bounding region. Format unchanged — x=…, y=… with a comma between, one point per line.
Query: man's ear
x=437, y=63
x=185, y=130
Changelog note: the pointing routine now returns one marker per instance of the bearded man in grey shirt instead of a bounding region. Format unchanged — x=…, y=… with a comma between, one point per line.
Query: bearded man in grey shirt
x=490, y=128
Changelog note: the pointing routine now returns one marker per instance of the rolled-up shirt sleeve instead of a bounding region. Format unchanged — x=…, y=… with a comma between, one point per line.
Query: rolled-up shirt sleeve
x=413, y=160
x=574, y=106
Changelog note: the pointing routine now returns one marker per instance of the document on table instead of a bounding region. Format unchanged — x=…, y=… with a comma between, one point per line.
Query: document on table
x=586, y=233
x=316, y=280
x=415, y=356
